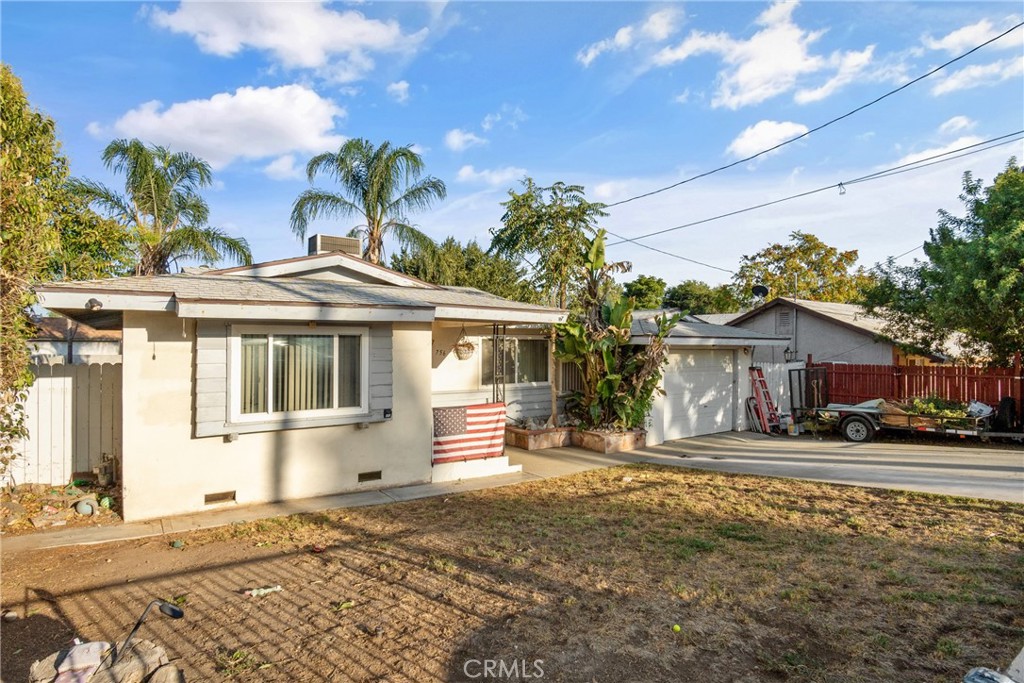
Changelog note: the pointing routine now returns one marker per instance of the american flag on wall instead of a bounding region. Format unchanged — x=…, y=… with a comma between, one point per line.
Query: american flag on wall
x=469, y=432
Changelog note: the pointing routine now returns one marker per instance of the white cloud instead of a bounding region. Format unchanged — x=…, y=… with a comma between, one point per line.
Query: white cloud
x=660, y=25
x=849, y=65
x=768, y=63
x=656, y=28
x=458, y=140
x=966, y=37
x=979, y=75
x=610, y=189
x=498, y=176
x=959, y=143
x=283, y=168
x=511, y=116
x=956, y=124
x=305, y=35
x=683, y=97
x=399, y=91
x=762, y=135
x=419, y=149
x=251, y=123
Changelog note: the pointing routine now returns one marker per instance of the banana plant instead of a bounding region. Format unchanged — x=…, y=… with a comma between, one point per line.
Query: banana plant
x=620, y=378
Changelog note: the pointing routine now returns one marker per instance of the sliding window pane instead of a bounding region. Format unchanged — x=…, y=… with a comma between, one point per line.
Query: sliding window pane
x=350, y=358
x=533, y=361
x=254, y=373
x=303, y=372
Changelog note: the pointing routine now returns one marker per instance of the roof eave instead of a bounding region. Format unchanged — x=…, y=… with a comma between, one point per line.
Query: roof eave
x=501, y=315
x=736, y=342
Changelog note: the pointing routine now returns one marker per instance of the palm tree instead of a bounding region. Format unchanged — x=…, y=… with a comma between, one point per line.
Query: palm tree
x=380, y=184
x=161, y=207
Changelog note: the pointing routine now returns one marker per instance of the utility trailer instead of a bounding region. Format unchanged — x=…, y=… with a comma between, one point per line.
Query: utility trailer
x=860, y=423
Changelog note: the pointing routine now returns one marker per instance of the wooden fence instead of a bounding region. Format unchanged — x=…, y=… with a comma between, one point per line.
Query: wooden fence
x=848, y=383
x=73, y=415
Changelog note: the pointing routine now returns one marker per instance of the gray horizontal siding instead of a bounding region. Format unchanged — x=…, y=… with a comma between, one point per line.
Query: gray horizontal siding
x=211, y=373
x=522, y=402
x=210, y=406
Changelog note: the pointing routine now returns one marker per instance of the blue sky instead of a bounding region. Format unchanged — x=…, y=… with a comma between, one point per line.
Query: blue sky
x=622, y=97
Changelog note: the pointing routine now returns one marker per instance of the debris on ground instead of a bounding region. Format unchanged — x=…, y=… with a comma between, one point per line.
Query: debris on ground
x=29, y=507
x=260, y=592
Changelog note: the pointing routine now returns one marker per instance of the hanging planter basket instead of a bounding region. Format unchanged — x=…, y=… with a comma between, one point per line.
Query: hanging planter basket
x=464, y=349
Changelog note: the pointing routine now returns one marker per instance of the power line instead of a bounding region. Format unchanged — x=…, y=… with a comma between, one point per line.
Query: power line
x=820, y=127
x=878, y=175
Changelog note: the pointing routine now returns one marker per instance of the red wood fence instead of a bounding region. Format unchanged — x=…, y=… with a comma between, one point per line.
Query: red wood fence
x=849, y=383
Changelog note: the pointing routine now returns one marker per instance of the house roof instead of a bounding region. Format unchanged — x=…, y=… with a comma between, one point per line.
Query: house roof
x=850, y=316
x=717, y=318
x=63, y=329
x=238, y=296
x=304, y=264
x=693, y=333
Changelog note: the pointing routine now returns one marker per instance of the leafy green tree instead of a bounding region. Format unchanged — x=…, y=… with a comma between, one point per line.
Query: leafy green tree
x=819, y=272
x=694, y=296
x=549, y=228
x=380, y=184
x=451, y=264
x=32, y=176
x=161, y=207
x=972, y=283
x=89, y=246
x=647, y=290
x=619, y=379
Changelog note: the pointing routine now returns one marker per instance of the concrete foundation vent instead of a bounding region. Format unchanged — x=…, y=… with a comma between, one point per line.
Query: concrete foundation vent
x=324, y=244
x=221, y=497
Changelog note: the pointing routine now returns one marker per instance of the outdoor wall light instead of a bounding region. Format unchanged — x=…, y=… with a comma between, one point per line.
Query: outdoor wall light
x=94, y=304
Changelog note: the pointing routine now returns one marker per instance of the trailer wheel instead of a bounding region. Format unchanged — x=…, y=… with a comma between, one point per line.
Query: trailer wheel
x=857, y=429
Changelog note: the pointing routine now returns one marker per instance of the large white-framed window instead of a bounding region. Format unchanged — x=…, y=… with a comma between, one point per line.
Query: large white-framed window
x=292, y=372
x=525, y=359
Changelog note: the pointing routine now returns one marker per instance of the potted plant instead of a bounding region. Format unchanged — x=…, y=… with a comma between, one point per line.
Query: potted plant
x=620, y=378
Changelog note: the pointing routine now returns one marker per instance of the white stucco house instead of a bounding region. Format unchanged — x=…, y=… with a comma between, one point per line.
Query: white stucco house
x=298, y=378
x=324, y=374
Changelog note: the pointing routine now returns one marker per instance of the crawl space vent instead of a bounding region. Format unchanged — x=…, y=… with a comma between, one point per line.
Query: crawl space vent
x=369, y=476
x=222, y=497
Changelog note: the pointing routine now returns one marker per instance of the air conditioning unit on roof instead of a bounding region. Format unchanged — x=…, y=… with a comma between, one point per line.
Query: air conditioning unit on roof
x=325, y=244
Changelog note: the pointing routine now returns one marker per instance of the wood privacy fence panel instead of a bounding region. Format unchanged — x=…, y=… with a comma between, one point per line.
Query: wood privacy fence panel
x=73, y=416
x=857, y=383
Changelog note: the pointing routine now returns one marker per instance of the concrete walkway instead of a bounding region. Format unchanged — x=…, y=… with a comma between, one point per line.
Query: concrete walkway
x=247, y=513
x=996, y=474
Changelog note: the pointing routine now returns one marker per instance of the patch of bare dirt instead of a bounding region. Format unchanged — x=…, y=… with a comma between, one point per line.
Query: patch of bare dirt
x=581, y=579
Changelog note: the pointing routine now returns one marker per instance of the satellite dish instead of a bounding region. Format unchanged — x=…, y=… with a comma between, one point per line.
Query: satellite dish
x=760, y=291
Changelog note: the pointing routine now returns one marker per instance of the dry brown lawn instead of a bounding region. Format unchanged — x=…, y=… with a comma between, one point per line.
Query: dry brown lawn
x=767, y=579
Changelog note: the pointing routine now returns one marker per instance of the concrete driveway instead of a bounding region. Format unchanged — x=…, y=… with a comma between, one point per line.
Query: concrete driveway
x=994, y=473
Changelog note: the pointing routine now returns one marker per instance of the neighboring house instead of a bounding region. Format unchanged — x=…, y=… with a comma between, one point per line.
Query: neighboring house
x=60, y=340
x=298, y=377
x=828, y=332
x=706, y=381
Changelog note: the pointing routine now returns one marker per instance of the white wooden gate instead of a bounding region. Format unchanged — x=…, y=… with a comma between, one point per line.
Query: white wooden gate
x=777, y=377
x=73, y=416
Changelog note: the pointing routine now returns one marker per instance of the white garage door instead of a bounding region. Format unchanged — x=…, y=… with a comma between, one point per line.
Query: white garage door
x=698, y=393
